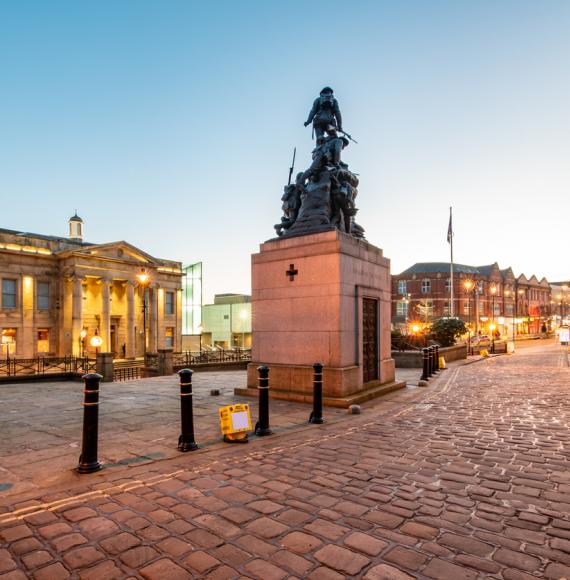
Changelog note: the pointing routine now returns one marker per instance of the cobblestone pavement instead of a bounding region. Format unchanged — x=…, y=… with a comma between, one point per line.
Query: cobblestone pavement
x=469, y=479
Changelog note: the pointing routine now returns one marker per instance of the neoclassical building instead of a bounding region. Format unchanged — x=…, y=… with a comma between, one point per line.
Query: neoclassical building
x=57, y=293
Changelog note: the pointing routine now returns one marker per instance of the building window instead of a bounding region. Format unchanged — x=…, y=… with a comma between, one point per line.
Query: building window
x=466, y=307
x=448, y=285
x=446, y=310
x=8, y=341
x=43, y=296
x=402, y=287
x=9, y=293
x=509, y=309
x=169, y=303
x=426, y=286
x=402, y=308
x=169, y=337
x=429, y=307
x=43, y=340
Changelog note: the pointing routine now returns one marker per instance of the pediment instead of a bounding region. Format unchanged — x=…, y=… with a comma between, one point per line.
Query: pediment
x=119, y=251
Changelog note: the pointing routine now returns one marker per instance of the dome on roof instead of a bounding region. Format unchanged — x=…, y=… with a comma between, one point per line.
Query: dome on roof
x=75, y=218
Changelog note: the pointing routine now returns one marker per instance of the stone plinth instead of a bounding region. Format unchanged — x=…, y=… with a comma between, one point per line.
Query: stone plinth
x=307, y=301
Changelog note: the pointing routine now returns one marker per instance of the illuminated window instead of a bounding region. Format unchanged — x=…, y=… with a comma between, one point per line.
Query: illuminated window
x=169, y=303
x=402, y=287
x=402, y=308
x=43, y=296
x=8, y=341
x=169, y=337
x=43, y=340
x=9, y=289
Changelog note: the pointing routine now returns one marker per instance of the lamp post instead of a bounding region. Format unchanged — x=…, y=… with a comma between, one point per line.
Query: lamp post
x=82, y=336
x=468, y=285
x=493, y=292
x=144, y=281
x=96, y=342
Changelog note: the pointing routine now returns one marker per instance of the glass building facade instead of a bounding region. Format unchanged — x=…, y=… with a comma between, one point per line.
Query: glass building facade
x=192, y=298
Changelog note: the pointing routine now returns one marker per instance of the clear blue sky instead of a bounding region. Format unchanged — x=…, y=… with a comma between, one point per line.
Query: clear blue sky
x=171, y=124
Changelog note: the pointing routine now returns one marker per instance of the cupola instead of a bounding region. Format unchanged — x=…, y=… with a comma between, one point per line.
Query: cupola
x=76, y=228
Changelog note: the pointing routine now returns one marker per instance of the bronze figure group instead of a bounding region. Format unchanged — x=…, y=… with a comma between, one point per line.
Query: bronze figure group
x=323, y=196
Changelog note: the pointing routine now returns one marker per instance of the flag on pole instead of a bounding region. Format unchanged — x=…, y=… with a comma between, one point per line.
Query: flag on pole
x=449, y=229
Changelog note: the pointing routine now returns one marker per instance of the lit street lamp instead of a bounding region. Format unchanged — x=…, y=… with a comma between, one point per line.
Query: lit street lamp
x=144, y=281
x=469, y=285
x=96, y=342
x=492, y=325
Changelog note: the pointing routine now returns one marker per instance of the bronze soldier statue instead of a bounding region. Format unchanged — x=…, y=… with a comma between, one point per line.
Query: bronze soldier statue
x=325, y=114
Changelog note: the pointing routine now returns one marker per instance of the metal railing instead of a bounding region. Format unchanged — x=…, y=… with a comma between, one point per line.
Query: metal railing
x=41, y=365
x=126, y=372
x=215, y=356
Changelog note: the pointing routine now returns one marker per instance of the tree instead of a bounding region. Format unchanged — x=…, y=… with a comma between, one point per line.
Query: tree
x=446, y=331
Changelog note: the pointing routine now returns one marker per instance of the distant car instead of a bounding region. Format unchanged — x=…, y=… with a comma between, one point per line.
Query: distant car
x=481, y=340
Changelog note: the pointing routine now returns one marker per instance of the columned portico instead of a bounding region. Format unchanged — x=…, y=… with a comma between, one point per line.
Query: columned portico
x=105, y=323
x=76, y=313
x=130, y=330
x=153, y=340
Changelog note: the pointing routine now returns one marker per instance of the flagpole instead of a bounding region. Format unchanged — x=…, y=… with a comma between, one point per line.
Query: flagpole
x=451, y=309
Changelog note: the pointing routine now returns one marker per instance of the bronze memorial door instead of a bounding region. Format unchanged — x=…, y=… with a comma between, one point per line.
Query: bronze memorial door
x=370, y=339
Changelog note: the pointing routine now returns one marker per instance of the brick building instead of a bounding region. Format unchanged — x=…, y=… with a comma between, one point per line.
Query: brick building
x=484, y=296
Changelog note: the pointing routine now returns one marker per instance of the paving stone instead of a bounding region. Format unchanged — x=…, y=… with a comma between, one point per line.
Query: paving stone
x=557, y=571
x=78, y=514
x=264, y=570
x=106, y=570
x=54, y=571
x=55, y=530
x=405, y=557
x=7, y=563
x=341, y=559
x=119, y=543
x=300, y=542
x=326, y=529
x=99, y=527
x=164, y=568
x=293, y=562
x=30, y=561
x=204, y=539
x=266, y=528
x=15, y=533
x=419, y=530
x=63, y=543
x=466, y=544
x=231, y=555
x=386, y=572
x=82, y=557
x=443, y=570
x=365, y=543
x=137, y=557
x=516, y=560
x=25, y=545
x=484, y=565
x=201, y=561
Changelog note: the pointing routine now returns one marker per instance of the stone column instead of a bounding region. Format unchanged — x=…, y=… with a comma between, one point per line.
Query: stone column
x=105, y=367
x=105, y=324
x=160, y=318
x=153, y=308
x=26, y=343
x=64, y=347
x=165, y=363
x=130, y=329
x=178, y=327
x=76, y=314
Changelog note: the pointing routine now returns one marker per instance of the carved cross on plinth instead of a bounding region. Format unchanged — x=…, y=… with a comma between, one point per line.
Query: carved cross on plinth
x=291, y=272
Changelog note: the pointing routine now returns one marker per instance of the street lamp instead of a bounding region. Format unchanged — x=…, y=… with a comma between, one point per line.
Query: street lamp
x=82, y=336
x=144, y=281
x=469, y=285
x=493, y=292
x=96, y=342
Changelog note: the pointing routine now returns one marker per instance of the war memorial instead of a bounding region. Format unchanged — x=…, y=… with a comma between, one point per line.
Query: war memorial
x=320, y=291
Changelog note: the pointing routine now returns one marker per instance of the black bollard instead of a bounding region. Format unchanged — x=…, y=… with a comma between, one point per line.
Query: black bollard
x=88, y=462
x=316, y=416
x=186, y=440
x=437, y=358
x=432, y=360
x=262, y=426
x=425, y=365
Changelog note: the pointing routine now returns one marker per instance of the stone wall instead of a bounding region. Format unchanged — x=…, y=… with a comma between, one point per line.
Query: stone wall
x=413, y=359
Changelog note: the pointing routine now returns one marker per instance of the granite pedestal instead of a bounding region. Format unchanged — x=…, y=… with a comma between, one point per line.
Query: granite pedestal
x=308, y=300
